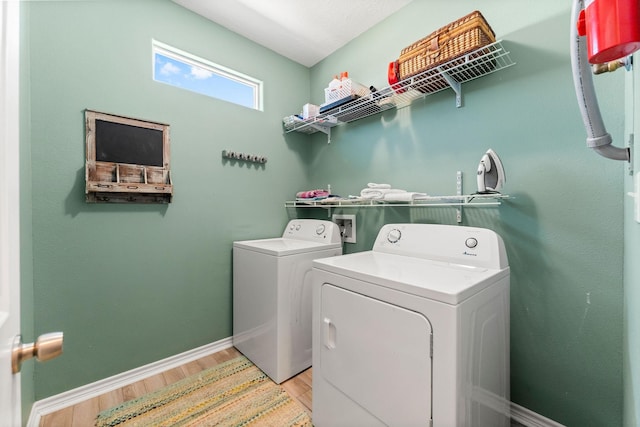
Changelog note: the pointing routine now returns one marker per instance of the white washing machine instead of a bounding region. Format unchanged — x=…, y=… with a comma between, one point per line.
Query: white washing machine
x=414, y=332
x=272, y=295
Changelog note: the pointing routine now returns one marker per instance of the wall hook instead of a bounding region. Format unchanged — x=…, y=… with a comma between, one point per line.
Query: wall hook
x=236, y=155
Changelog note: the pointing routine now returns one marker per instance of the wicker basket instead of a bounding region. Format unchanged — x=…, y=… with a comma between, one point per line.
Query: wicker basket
x=456, y=39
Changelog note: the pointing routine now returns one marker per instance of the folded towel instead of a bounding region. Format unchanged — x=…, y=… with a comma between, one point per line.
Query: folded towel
x=374, y=185
x=378, y=193
x=404, y=197
x=312, y=194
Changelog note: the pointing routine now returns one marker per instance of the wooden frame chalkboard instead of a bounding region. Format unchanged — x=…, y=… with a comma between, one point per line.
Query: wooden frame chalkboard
x=121, y=143
x=127, y=160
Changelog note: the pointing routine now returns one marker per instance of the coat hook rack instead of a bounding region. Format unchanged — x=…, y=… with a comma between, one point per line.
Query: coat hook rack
x=236, y=155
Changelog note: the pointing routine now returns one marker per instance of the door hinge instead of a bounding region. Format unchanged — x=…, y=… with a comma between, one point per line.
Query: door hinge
x=631, y=149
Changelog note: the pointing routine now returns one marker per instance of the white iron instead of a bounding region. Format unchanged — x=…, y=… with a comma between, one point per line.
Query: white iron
x=491, y=175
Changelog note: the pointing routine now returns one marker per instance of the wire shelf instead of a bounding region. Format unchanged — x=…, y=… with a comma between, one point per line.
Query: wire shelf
x=471, y=200
x=452, y=74
x=312, y=125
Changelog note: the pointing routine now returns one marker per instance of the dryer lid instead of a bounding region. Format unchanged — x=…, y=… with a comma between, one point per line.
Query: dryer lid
x=441, y=281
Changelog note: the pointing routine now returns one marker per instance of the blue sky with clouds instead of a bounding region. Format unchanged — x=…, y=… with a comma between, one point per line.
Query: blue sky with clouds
x=201, y=80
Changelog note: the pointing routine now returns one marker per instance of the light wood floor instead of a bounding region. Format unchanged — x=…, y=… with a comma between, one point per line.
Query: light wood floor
x=84, y=414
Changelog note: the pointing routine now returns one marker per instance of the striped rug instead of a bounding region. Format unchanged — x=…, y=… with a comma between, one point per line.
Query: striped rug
x=234, y=393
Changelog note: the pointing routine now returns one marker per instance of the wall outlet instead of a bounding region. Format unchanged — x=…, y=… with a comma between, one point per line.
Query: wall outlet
x=347, y=225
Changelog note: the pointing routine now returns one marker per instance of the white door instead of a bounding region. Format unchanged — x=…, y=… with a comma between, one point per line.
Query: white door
x=378, y=355
x=9, y=209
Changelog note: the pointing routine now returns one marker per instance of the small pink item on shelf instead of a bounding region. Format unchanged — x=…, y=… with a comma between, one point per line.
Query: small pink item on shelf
x=312, y=194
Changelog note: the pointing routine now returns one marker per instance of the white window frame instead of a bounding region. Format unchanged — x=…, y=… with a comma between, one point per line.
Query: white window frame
x=220, y=70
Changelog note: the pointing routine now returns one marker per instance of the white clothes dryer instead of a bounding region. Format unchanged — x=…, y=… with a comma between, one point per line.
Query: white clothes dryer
x=414, y=332
x=272, y=295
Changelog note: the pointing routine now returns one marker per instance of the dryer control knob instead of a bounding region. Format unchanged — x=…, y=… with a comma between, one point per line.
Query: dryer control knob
x=320, y=229
x=471, y=242
x=394, y=235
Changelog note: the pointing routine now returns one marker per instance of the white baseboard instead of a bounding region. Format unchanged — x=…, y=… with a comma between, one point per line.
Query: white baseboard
x=530, y=418
x=89, y=391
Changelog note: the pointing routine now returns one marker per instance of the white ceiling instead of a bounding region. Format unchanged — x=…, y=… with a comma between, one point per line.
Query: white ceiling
x=303, y=30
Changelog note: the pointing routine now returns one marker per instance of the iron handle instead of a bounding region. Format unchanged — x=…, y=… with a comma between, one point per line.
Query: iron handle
x=46, y=347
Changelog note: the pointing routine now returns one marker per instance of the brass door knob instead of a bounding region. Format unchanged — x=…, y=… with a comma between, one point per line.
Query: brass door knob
x=46, y=347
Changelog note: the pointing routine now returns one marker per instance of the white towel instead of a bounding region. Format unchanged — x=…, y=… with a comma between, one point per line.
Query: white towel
x=374, y=185
x=378, y=193
x=404, y=197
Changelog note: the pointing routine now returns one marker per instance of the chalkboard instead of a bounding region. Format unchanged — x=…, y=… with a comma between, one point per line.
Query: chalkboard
x=122, y=143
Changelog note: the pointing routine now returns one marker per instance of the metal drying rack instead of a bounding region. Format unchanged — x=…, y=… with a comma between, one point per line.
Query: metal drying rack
x=451, y=74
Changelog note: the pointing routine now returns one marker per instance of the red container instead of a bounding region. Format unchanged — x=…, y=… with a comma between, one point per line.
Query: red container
x=612, y=28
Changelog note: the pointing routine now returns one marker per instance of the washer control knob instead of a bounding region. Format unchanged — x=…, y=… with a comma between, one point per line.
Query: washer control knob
x=471, y=242
x=394, y=235
x=298, y=227
x=292, y=226
x=320, y=229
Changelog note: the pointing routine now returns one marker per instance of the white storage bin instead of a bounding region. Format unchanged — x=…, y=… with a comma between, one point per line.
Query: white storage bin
x=345, y=88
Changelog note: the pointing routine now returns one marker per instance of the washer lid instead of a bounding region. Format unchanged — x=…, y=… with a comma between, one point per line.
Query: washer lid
x=437, y=280
x=280, y=246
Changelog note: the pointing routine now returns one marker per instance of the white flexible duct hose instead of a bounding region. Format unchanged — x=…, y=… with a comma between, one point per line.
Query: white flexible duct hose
x=597, y=137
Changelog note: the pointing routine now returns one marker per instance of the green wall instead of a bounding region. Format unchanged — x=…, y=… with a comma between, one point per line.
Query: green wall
x=563, y=225
x=132, y=284
x=631, y=348
x=26, y=234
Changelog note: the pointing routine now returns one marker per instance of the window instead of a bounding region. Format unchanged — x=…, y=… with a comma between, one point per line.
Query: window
x=181, y=69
